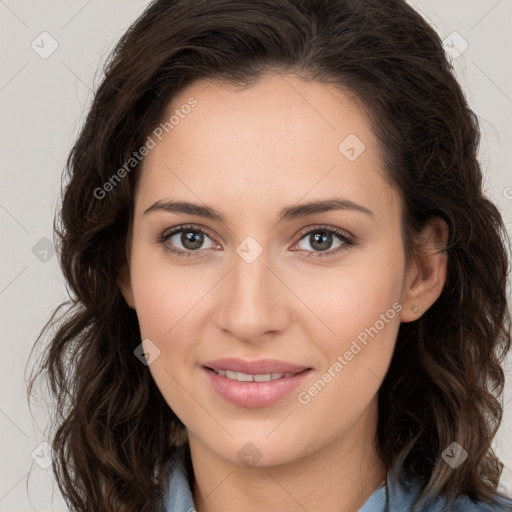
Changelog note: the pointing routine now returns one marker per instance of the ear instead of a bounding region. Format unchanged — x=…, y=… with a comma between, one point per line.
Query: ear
x=125, y=285
x=426, y=275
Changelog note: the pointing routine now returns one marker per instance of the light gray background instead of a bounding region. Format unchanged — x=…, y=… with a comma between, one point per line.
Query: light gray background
x=43, y=102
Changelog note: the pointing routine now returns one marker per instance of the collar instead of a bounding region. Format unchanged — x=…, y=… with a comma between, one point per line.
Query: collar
x=394, y=495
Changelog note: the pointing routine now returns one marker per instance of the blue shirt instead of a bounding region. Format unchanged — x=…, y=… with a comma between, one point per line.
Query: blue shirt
x=391, y=497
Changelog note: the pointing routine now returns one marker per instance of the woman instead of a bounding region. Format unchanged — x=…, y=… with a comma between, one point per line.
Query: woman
x=289, y=291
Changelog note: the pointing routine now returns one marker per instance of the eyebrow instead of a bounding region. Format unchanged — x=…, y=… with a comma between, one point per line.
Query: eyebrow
x=287, y=214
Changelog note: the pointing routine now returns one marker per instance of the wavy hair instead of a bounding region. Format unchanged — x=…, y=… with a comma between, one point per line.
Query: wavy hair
x=113, y=430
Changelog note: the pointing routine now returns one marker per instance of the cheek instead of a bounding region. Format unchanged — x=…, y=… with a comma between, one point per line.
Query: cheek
x=167, y=301
x=355, y=362
x=344, y=302
x=165, y=294
x=357, y=321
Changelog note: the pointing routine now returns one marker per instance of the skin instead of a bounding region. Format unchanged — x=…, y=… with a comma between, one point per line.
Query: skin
x=249, y=154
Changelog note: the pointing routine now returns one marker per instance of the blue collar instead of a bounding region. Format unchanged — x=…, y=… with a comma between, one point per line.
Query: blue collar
x=395, y=496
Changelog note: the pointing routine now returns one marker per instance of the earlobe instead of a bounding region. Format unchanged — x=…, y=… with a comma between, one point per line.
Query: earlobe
x=427, y=274
x=125, y=285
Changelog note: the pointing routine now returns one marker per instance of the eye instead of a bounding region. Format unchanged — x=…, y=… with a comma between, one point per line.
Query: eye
x=321, y=239
x=185, y=240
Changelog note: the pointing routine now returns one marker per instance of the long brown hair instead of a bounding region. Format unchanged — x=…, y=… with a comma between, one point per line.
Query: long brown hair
x=113, y=429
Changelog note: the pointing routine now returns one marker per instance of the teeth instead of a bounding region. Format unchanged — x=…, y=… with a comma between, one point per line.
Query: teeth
x=247, y=377
x=263, y=378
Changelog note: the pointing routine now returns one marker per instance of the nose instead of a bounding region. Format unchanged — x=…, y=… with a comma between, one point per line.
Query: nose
x=254, y=301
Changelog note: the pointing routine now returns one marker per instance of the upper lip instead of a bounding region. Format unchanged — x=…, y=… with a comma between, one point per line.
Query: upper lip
x=257, y=367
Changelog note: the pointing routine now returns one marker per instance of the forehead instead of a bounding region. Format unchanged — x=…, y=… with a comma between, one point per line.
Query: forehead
x=277, y=141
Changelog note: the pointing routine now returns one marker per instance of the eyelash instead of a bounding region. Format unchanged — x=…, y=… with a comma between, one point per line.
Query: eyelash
x=347, y=240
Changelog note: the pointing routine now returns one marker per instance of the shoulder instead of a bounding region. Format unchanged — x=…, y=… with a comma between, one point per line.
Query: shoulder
x=465, y=504
x=461, y=504
x=402, y=494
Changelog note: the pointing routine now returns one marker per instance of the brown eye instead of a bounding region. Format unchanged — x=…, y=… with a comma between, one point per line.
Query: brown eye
x=323, y=239
x=320, y=240
x=185, y=241
x=191, y=240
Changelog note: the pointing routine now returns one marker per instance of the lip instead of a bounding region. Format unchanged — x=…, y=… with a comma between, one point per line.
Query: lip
x=254, y=394
x=259, y=366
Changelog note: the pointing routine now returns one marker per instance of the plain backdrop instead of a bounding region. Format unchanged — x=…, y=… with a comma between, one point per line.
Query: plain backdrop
x=45, y=90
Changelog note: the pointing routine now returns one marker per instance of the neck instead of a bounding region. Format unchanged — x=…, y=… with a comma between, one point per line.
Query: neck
x=339, y=477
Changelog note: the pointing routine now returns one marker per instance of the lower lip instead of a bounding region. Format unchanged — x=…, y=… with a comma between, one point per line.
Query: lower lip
x=254, y=394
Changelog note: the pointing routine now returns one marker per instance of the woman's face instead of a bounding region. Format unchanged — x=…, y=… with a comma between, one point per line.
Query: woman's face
x=263, y=279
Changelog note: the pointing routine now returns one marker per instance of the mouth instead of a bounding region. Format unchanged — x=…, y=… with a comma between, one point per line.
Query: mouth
x=259, y=377
x=254, y=368
x=253, y=384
